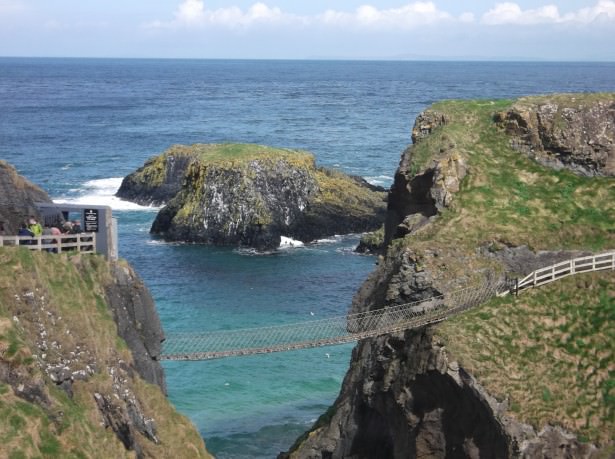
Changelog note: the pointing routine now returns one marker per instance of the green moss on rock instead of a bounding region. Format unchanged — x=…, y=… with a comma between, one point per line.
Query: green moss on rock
x=66, y=385
x=251, y=195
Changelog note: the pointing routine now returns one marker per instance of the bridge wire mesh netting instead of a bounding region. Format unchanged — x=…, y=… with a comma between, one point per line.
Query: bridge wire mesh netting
x=333, y=330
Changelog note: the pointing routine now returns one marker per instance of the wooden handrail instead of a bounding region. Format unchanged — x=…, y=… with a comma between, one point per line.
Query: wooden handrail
x=566, y=268
x=58, y=243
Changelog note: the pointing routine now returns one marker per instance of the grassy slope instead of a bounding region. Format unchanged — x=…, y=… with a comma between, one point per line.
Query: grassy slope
x=73, y=300
x=550, y=351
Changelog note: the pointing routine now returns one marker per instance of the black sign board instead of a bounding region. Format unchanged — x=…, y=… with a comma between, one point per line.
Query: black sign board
x=90, y=218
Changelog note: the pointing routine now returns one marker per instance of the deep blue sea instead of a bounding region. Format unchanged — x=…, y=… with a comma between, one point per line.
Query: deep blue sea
x=77, y=126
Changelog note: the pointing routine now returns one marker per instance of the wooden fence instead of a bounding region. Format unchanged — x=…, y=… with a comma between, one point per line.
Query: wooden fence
x=566, y=268
x=82, y=242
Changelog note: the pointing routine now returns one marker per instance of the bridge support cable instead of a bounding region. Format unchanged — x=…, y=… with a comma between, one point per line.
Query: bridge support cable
x=354, y=327
x=323, y=332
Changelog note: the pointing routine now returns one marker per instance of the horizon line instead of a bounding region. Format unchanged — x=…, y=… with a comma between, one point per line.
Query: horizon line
x=349, y=59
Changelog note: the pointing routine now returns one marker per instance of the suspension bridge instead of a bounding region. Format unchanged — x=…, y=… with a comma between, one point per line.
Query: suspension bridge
x=353, y=327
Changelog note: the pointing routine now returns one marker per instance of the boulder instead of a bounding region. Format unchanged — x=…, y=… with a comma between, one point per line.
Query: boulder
x=572, y=132
x=251, y=195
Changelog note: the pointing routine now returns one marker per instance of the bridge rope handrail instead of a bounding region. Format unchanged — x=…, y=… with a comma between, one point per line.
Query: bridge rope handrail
x=319, y=332
x=352, y=327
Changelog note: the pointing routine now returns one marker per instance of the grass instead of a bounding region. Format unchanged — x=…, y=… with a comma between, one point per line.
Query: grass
x=549, y=352
x=508, y=197
x=555, y=352
x=225, y=156
x=232, y=154
x=65, y=295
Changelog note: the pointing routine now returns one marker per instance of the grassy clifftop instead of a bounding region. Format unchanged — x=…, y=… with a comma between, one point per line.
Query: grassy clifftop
x=509, y=199
x=550, y=352
x=67, y=383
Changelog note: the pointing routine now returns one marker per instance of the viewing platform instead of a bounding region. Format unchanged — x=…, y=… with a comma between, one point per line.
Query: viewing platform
x=97, y=231
x=81, y=242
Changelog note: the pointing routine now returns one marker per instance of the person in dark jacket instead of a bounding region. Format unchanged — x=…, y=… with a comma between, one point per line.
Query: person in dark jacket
x=24, y=231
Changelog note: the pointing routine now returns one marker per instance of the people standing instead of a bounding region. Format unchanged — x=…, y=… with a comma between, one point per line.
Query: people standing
x=35, y=227
x=25, y=231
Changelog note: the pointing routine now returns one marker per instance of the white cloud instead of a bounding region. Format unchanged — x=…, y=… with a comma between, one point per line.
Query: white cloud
x=511, y=13
x=192, y=13
x=195, y=14
x=604, y=9
x=407, y=16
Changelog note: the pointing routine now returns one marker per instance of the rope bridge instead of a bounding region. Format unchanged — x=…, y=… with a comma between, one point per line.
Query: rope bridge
x=353, y=327
x=333, y=330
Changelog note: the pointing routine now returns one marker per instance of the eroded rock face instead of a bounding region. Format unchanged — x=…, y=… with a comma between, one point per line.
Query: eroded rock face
x=161, y=180
x=425, y=124
x=404, y=398
x=17, y=198
x=251, y=199
x=65, y=323
x=423, y=193
x=562, y=132
x=137, y=321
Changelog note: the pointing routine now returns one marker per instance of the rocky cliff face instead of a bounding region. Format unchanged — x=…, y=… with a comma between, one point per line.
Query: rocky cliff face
x=17, y=198
x=403, y=397
x=457, y=216
x=251, y=196
x=565, y=132
x=137, y=321
x=67, y=379
x=420, y=191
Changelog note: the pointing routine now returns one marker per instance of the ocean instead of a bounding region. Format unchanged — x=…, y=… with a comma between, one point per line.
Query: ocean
x=75, y=127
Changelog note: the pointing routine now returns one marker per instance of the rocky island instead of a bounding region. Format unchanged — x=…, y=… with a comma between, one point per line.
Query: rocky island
x=490, y=188
x=80, y=340
x=251, y=195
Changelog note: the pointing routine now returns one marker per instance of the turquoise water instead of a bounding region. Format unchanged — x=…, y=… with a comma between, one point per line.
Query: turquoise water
x=77, y=126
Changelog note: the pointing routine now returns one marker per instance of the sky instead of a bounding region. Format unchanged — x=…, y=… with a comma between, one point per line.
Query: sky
x=310, y=29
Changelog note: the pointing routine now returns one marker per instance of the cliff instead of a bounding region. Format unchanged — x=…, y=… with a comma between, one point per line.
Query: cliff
x=565, y=132
x=79, y=345
x=251, y=195
x=527, y=376
x=17, y=198
x=69, y=384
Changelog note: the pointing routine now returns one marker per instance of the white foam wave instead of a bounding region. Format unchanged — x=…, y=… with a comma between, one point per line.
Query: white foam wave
x=380, y=180
x=101, y=192
x=287, y=243
x=329, y=240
